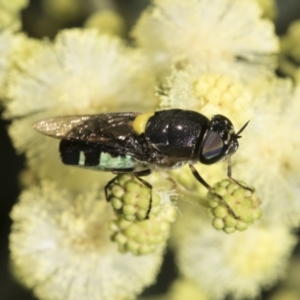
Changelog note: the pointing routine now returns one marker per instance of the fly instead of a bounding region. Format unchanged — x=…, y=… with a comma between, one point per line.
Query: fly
x=142, y=142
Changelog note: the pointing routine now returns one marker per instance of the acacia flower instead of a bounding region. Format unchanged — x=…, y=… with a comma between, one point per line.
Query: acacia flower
x=107, y=21
x=10, y=14
x=83, y=72
x=236, y=210
x=186, y=289
x=16, y=48
x=7, y=44
x=208, y=33
x=240, y=264
x=144, y=216
x=269, y=8
x=60, y=247
x=271, y=169
x=289, y=57
x=207, y=92
x=64, y=11
x=216, y=62
x=14, y=5
x=132, y=199
x=289, y=288
x=269, y=159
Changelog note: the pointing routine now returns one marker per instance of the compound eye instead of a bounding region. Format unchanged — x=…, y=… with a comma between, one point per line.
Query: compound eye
x=212, y=146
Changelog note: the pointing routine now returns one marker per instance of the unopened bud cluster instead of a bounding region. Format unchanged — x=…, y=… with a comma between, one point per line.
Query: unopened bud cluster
x=143, y=222
x=242, y=201
x=132, y=199
x=139, y=237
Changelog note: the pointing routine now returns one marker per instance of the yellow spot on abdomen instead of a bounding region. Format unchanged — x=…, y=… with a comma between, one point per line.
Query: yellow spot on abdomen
x=140, y=122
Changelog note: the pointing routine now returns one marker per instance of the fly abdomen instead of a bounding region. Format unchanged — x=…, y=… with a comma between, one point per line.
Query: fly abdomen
x=76, y=153
x=92, y=156
x=69, y=152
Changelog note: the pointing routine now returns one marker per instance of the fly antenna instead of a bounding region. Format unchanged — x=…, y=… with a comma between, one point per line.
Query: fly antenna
x=241, y=130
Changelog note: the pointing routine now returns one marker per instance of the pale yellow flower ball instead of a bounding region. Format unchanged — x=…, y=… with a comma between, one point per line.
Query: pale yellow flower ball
x=61, y=249
x=240, y=264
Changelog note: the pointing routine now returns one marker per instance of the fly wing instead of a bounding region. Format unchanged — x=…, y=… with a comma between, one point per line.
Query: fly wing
x=113, y=131
x=88, y=128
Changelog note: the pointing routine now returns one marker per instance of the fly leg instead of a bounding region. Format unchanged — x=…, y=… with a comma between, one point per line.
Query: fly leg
x=109, y=184
x=138, y=175
x=229, y=173
x=210, y=189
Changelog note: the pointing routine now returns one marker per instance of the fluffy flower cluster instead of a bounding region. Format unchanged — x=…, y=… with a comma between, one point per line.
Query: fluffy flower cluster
x=10, y=14
x=202, y=33
x=248, y=261
x=66, y=238
x=82, y=72
x=289, y=58
x=199, y=55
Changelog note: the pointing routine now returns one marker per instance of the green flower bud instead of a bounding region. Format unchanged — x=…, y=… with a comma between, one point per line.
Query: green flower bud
x=242, y=202
x=139, y=237
x=130, y=198
x=146, y=235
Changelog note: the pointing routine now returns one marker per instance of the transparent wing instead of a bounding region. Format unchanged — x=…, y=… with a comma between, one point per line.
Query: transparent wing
x=101, y=128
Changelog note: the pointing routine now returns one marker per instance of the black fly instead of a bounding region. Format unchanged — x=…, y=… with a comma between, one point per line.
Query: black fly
x=142, y=142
